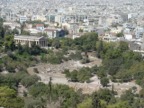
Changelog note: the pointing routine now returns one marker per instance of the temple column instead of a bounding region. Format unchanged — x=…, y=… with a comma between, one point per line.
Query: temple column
x=40, y=43
x=44, y=43
x=29, y=43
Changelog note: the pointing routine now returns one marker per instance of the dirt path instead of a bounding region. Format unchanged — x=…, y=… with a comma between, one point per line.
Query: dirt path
x=60, y=79
x=21, y=90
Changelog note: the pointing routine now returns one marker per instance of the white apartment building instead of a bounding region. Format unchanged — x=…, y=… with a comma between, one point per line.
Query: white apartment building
x=22, y=19
x=8, y=15
x=51, y=33
x=67, y=18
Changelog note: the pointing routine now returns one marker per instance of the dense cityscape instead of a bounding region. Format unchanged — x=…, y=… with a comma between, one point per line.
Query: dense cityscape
x=71, y=53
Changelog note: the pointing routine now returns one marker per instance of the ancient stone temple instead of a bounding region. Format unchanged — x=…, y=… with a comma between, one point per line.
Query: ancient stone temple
x=38, y=40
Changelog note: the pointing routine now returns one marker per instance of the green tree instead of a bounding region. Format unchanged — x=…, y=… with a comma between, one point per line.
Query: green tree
x=9, y=43
x=99, y=49
x=50, y=87
x=104, y=81
x=56, y=43
x=106, y=95
x=120, y=34
x=81, y=30
x=30, y=80
x=23, y=25
x=121, y=104
x=15, y=31
x=87, y=103
x=96, y=101
x=75, y=56
x=2, y=32
x=34, y=103
x=9, y=99
x=86, y=42
x=74, y=76
x=20, y=48
x=128, y=96
x=123, y=46
x=141, y=93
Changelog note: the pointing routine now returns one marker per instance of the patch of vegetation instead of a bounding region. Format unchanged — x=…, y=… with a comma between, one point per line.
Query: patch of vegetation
x=82, y=75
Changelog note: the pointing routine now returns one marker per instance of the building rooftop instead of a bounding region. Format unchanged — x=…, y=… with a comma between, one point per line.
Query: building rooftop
x=25, y=37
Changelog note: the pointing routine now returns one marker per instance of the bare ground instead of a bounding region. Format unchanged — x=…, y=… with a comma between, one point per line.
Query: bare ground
x=55, y=71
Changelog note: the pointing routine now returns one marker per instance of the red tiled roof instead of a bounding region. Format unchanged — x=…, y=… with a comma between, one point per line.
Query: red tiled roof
x=40, y=25
x=50, y=30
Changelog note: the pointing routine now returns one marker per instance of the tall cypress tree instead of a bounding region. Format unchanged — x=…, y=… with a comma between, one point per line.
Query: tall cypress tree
x=96, y=101
x=2, y=30
x=2, y=33
x=100, y=49
x=50, y=88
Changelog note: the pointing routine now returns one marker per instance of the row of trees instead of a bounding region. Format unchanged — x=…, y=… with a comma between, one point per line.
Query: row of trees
x=85, y=43
x=118, y=61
